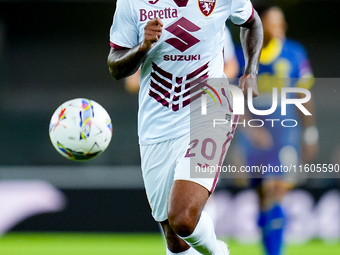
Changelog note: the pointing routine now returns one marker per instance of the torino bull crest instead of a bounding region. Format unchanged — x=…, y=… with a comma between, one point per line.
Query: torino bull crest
x=206, y=6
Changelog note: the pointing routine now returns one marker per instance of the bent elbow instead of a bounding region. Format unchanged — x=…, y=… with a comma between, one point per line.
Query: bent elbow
x=115, y=73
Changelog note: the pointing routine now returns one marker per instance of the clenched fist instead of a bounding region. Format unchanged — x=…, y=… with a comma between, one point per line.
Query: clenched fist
x=152, y=33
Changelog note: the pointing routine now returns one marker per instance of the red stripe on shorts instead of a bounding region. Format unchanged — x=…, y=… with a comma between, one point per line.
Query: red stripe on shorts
x=220, y=162
x=224, y=146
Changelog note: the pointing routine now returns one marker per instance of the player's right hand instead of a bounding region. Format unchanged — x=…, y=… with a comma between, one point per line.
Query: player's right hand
x=152, y=33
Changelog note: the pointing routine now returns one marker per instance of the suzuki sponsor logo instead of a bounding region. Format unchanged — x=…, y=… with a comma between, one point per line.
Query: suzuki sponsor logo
x=182, y=29
x=181, y=57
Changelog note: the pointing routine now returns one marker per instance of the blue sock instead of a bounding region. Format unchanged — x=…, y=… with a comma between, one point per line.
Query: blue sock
x=272, y=223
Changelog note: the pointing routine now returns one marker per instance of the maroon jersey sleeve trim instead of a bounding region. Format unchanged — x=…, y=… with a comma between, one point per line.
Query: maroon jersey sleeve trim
x=252, y=15
x=117, y=47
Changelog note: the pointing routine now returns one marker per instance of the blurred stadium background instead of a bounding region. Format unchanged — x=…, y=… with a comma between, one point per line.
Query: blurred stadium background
x=56, y=50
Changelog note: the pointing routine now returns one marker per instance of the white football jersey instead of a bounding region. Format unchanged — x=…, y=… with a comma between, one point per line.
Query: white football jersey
x=190, y=47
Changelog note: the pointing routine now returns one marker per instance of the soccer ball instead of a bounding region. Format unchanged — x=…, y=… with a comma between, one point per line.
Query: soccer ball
x=80, y=129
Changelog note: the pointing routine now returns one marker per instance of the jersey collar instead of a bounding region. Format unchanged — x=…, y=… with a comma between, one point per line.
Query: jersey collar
x=271, y=51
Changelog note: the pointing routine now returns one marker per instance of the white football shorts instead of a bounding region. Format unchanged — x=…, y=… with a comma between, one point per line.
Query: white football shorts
x=186, y=158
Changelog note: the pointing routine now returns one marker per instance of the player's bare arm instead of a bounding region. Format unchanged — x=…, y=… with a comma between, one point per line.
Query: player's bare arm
x=124, y=62
x=251, y=36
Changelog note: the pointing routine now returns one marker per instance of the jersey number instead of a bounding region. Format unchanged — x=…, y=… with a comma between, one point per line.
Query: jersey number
x=209, y=154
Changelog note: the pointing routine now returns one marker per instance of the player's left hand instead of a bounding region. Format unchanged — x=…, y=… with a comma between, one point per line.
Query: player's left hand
x=248, y=81
x=309, y=152
x=260, y=138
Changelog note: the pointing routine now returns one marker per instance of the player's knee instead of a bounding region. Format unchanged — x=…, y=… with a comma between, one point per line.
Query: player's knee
x=276, y=190
x=182, y=222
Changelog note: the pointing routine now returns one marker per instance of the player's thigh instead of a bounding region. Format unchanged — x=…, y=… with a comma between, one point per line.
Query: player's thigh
x=188, y=197
x=276, y=189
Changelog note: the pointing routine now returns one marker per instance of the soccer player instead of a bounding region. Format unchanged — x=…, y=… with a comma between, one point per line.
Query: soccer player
x=176, y=42
x=283, y=63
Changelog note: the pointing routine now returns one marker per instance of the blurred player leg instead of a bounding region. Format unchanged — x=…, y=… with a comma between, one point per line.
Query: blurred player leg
x=272, y=219
x=272, y=224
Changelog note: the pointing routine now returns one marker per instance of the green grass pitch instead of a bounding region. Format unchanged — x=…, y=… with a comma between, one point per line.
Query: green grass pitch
x=126, y=244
